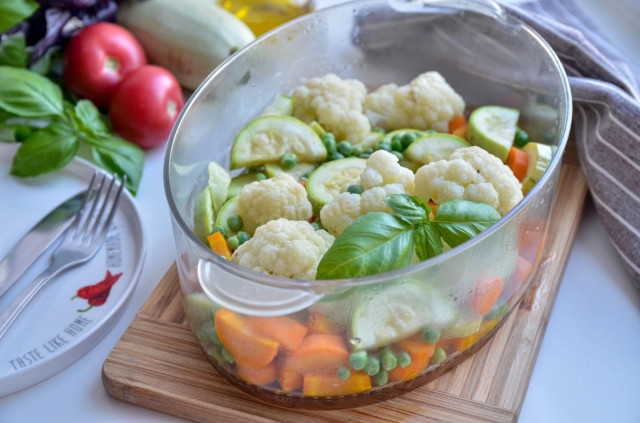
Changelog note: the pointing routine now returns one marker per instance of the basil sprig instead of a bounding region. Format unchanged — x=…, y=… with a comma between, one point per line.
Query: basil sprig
x=381, y=242
x=55, y=129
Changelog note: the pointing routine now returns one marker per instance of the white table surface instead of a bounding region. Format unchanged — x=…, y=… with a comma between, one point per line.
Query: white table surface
x=588, y=368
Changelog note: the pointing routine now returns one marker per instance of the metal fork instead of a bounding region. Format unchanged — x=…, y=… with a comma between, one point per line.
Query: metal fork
x=81, y=242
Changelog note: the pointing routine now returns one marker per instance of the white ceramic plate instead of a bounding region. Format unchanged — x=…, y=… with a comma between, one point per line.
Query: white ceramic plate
x=51, y=333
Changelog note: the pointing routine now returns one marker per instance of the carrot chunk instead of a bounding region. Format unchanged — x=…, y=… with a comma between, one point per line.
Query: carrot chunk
x=518, y=161
x=324, y=385
x=246, y=346
x=284, y=330
x=456, y=123
x=257, y=375
x=464, y=343
x=219, y=245
x=420, y=353
x=320, y=353
x=486, y=294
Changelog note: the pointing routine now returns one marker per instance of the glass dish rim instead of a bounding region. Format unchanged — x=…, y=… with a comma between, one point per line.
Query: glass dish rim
x=321, y=285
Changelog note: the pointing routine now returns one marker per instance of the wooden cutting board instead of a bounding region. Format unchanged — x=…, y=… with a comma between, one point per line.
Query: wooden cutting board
x=158, y=364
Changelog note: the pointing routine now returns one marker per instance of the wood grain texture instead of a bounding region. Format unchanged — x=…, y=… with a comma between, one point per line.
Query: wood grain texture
x=158, y=364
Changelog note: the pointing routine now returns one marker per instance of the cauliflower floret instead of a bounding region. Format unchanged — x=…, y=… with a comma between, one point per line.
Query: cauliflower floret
x=428, y=102
x=336, y=104
x=341, y=212
x=287, y=248
x=280, y=196
x=470, y=173
x=382, y=169
x=383, y=176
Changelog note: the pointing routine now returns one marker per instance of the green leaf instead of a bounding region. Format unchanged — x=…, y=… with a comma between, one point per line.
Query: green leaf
x=461, y=220
x=427, y=240
x=119, y=156
x=90, y=117
x=374, y=243
x=12, y=12
x=46, y=150
x=49, y=63
x=13, y=51
x=27, y=94
x=412, y=210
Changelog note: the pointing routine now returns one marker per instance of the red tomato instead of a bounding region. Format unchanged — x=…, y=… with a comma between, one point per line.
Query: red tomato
x=97, y=59
x=145, y=105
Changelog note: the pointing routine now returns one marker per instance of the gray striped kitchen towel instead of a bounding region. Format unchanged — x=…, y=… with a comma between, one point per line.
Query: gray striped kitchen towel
x=606, y=120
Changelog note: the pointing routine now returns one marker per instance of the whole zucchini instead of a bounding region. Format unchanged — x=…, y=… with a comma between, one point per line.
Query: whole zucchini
x=188, y=37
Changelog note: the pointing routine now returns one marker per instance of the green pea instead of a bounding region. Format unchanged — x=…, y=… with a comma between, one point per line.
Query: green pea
x=328, y=136
x=357, y=150
x=373, y=366
x=368, y=151
x=233, y=242
x=404, y=359
x=336, y=156
x=260, y=176
x=379, y=130
x=396, y=145
x=396, y=137
x=234, y=222
x=365, y=155
x=220, y=229
x=389, y=361
x=345, y=148
x=398, y=154
x=381, y=378
x=408, y=139
x=355, y=189
x=228, y=357
x=439, y=355
x=243, y=237
x=315, y=225
x=343, y=373
x=307, y=174
x=431, y=335
x=358, y=360
x=521, y=139
x=288, y=161
x=383, y=146
x=330, y=145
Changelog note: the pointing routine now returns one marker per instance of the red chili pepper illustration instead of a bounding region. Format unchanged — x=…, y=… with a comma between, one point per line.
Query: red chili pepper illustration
x=97, y=294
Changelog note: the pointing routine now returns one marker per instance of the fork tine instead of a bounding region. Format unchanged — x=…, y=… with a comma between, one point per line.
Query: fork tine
x=83, y=208
x=95, y=222
x=101, y=231
x=89, y=216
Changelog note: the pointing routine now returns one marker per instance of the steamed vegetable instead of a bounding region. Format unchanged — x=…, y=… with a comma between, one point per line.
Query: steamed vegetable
x=188, y=37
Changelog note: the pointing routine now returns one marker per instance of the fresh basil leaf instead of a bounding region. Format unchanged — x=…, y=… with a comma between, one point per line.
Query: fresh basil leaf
x=27, y=94
x=412, y=210
x=374, y=243
x=90, y=117
x=119, y=156
x=427, y=241
x=12, y=12
x=460, y=220
x=46, y=150
x=13, y=51
x=49, y=63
